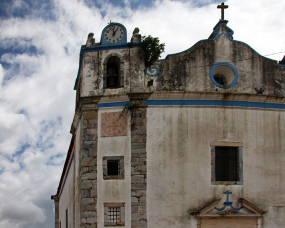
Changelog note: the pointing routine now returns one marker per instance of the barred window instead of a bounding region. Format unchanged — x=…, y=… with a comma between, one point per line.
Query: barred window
x=227, y=163
x=114, y=214
x=113, y=167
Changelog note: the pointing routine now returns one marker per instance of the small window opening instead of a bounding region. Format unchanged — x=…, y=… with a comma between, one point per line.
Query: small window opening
x=66, y=218
x=226, y=162
x=113, y=167
x=113, y=72
x=221, y=79
x=114, y=214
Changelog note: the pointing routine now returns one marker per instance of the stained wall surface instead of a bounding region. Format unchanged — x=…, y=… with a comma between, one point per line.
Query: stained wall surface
x=110, y=191
x=179, y=161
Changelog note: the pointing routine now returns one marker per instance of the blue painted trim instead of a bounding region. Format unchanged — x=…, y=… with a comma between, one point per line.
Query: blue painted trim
x=227, y=35
x=230, y=34
x=151, y=70
x=121, y=42
x=245, y=104
x=228, y=203
x=66, y=174
x=223, y=64
x=115, y=104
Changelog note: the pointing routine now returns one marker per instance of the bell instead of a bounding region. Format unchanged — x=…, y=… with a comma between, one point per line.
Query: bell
x=111, y=82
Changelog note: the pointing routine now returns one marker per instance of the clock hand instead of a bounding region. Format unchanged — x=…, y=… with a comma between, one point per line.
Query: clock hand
x=114, y=32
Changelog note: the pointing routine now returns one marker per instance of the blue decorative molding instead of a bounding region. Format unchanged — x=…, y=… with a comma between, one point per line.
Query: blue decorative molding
x=229, y=35
x=153, y=71
x=228, y=203
x=66, y=174
x=223, y=64
x=114, y=104
x=231, y=32
x=244, y=104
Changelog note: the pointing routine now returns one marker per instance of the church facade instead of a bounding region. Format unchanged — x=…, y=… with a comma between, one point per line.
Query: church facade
x=196, y=140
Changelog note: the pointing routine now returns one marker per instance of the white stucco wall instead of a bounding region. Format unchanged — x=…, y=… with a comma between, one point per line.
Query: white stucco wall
x=77, y=176
x=66, y=200
x=179, y=161
x=115, y=191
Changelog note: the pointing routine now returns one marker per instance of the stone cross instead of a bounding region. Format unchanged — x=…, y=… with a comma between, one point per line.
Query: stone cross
x=222, y=7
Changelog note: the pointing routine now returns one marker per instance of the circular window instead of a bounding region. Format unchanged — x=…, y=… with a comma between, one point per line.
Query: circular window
x=224, y=75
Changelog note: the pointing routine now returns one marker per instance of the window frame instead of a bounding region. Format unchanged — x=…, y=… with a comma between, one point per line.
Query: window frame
x=120, y=175
x=239, y=147
x=107, y=206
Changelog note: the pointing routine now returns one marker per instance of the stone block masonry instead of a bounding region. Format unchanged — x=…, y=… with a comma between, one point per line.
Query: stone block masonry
x=138, y=160
x=88, y=167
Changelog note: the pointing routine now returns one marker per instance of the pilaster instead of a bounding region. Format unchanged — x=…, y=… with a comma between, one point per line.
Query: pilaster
x=88, y=161
x=138, y=159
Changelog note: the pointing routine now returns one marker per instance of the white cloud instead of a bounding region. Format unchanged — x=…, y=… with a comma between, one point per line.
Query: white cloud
x=24, y=212
x=1, y=75
x=36, y=94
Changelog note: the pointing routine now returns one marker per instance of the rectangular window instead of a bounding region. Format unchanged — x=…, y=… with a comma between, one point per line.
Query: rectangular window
x=227, y=163
x=114, y=214
x=66, y=218
x=113, y=167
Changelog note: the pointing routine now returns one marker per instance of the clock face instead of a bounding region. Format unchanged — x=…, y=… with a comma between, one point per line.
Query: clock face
x=114, y=33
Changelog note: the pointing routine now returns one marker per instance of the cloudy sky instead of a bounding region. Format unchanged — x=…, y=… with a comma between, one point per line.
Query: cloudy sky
x=39, y=53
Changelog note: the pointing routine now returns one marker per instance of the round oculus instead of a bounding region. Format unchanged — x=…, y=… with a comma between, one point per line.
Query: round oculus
x=114, y=33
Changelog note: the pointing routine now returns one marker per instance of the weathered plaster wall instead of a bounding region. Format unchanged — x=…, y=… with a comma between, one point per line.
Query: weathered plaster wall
x=186, y=71
x=179, y=161
x=190, y=70
x=66, y=200
x=91, y=76
x=118, y=191
x=77, y=148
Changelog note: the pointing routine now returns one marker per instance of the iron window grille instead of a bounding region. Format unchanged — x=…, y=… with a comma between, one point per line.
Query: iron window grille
x=226, y=163
x=113, y=168
x=114, y=214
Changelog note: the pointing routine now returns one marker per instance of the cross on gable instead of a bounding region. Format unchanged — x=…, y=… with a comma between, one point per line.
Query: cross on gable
x=222, y=7
x=228, y=203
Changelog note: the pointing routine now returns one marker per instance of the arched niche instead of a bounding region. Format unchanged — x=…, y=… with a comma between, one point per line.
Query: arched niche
x=224, y=75
x=113, y=75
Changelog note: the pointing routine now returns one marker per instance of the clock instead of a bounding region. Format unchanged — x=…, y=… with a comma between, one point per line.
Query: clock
x=114, y=33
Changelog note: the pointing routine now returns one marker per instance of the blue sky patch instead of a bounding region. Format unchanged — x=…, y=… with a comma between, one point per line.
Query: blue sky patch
x=27, y=8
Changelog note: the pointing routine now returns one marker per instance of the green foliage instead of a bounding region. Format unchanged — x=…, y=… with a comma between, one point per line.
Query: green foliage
x=150, y=50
